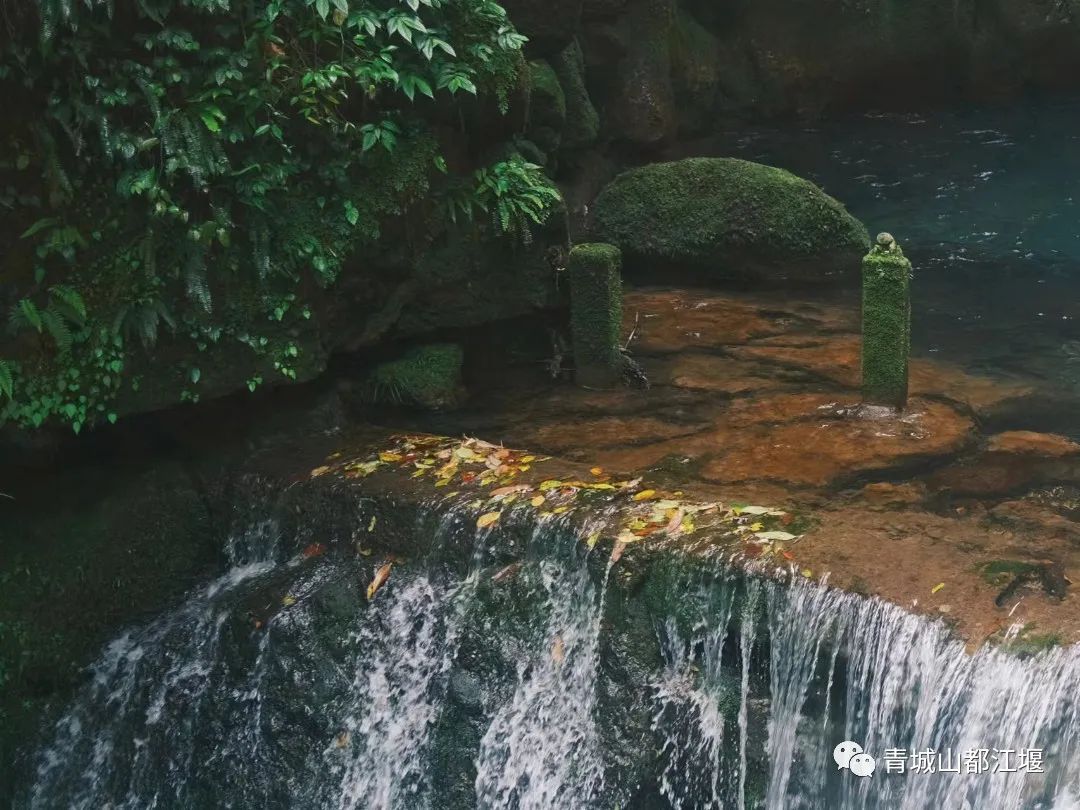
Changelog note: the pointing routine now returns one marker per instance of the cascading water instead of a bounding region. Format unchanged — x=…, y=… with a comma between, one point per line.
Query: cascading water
x=841, y=667
x=513, y=685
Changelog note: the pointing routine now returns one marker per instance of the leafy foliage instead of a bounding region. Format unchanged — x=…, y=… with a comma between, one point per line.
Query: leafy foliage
x=202, y=166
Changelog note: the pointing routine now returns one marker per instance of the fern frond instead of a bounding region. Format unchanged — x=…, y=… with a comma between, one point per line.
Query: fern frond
x=57, y=328
x=7, y=380
x=146, y=324
x=23, y=314
x=68, y=302
x=198, y=291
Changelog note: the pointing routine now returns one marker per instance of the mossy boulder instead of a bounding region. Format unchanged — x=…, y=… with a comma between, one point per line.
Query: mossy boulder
x=724, y=218
x=426, y=376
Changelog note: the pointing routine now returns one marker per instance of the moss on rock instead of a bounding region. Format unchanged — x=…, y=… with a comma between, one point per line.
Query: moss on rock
x=582, y=126
x=695, y=71
x=639, y=106
x=726, y=217
x=596, y=314
x=886, y=346
x=547, y=111
x=427, y=376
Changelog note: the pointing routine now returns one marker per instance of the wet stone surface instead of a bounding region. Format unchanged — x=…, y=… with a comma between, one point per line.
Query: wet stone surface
x=755, y=399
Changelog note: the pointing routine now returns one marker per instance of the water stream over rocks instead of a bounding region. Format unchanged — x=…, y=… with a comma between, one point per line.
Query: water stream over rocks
x=558, y=679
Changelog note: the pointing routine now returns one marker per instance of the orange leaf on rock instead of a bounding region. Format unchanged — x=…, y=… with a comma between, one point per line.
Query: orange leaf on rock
x=314, y=550
x=617, y=552
x=381, y=576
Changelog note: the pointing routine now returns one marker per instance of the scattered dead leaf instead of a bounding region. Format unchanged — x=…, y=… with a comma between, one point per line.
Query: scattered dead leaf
x=381, y=576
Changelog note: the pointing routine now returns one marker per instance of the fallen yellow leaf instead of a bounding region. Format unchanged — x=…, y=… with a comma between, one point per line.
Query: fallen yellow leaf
x=319, y=471
x=645, y=495
x=381, y=576
x=288, y=600
x=592, y=539
x=489, y=519
x=389, y=458
x=937, y=587
x=597, y=471
x=538, y=500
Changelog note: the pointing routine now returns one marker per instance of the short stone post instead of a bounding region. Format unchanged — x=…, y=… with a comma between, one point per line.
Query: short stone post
x=886, y=324
x=596, y=314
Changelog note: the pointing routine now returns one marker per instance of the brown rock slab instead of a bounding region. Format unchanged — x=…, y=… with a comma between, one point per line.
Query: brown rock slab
x=606, y=431
x=840, y=445
x=769, y=408
x=1012, y=462
x=984, y=395
x=1027, y=442
x=675, y=321
x=710, y=372
x=886, y=495
x=836, y=358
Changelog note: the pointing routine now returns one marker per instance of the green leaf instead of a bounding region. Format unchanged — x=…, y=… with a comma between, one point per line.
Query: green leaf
x=40, y=225
x=7, y=381
x=322, y=7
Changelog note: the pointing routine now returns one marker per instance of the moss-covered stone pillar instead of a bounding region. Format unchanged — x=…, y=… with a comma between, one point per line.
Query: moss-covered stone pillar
x=886, y=324
x=596, y=314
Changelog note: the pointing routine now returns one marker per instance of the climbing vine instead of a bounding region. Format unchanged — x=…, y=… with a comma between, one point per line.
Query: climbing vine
x=201, y=167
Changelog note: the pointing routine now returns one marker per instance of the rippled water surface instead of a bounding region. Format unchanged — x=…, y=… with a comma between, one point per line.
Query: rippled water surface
x=986, y=204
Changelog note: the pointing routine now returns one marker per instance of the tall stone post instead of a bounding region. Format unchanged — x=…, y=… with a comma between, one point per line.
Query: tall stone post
x=886, y=324
x=596, y=314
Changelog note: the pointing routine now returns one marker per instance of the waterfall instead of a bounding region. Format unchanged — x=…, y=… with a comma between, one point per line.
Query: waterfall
x=840, y=667
x=479, y=684
x=541, y=749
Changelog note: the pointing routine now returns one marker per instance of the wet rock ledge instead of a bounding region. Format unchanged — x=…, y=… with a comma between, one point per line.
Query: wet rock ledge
x=632, y=523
